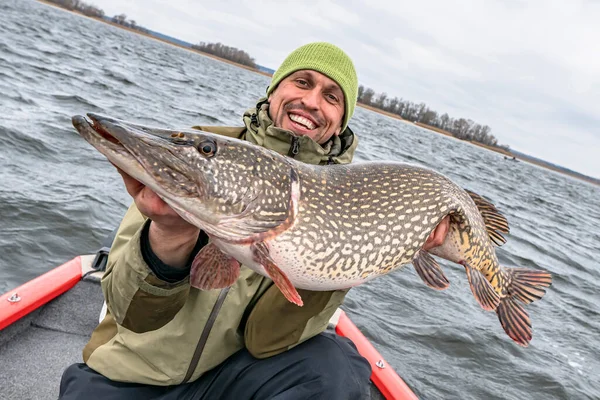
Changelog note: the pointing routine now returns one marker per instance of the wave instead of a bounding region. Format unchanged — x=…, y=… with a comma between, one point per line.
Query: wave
x=20, y=98
x=119, y=77
x=197, y=114
x=19, y=144
x=75, y=100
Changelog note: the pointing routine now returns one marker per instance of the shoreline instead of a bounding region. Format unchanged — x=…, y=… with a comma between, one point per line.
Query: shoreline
x=365, y=106
x=155, y=38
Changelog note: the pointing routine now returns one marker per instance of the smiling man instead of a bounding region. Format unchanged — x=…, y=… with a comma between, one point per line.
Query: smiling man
x=310, y=104
x=163, y=339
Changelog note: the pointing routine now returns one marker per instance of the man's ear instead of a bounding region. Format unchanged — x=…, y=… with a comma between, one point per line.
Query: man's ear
x=338, y=130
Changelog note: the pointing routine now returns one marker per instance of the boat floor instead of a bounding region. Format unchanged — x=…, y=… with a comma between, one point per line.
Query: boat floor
x=35, y=350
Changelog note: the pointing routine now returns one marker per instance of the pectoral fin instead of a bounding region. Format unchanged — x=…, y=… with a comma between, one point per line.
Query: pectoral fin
x=261, y=255
x=430, y=271
x=213, y=269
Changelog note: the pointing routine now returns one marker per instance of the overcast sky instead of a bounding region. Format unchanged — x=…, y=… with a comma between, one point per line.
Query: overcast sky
x=529, y=69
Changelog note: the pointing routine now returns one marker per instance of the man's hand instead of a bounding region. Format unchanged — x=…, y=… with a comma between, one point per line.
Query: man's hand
x=171, y=237
x=437, y=237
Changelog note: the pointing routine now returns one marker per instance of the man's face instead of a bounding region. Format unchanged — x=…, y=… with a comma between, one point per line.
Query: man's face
x=308, y=103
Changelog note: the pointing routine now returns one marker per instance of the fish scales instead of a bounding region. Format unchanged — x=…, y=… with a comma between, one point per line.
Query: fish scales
x=318, y=227
x=384, y=217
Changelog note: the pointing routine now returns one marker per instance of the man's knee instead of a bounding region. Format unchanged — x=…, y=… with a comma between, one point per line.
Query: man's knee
x=81, y=382
x=72, y=377
x=337, y=364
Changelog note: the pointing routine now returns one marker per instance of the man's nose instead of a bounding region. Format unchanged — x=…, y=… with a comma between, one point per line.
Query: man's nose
x=312, y=99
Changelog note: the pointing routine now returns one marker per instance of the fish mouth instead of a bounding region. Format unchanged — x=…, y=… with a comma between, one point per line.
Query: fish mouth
x=101, y=132
x=114, y=133
x=139, y=152
x=99, y=128
x=116, y=140
x=110, y=135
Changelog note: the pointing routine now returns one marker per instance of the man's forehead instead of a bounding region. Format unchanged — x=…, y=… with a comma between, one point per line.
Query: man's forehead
x=314, y=74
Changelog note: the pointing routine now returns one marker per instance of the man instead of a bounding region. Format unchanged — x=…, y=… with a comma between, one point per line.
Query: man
x=163, y=339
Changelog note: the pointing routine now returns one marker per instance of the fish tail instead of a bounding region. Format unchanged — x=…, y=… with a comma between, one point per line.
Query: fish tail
x=527, y=285
x=514, y=320
x=524, y=286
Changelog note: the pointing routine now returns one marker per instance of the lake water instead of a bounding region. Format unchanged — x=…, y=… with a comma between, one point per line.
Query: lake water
x=59, y=198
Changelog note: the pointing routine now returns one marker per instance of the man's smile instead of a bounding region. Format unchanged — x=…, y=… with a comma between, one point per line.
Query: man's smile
x=303, y=121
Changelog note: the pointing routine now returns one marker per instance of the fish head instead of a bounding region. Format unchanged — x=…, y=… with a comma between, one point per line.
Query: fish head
x=210, y=180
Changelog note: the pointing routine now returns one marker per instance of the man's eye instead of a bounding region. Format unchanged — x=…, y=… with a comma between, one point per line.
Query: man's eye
x=332, y=97
x=301, y=82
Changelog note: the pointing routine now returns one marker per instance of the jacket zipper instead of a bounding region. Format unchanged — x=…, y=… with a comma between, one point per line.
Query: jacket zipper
x=295, y=147
x=205, y=332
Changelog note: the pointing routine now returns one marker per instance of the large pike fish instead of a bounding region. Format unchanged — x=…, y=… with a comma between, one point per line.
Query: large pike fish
x=318, y=227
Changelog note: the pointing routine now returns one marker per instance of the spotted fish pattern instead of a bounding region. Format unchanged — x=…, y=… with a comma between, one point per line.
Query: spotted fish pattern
x=318, y=227
x=360, y=221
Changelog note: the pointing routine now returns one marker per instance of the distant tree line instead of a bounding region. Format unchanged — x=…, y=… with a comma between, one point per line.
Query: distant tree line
x=93, y=11
x=461, y=128
x=121, y=19
x=79, y=6
x=226, y=52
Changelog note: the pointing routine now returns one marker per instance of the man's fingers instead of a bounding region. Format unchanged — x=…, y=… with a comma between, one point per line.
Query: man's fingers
x=133, y=186
x=154, y=207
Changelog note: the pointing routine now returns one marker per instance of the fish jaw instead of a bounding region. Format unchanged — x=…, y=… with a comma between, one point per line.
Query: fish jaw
x=138, y=152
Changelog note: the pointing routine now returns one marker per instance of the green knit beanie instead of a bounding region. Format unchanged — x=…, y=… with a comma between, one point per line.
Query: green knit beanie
x=327, y=59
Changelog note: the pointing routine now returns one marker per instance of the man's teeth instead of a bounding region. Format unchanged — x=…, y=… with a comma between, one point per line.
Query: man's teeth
x=302, y=121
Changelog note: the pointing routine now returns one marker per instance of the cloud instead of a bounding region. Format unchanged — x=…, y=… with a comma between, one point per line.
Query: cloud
x=529, y=69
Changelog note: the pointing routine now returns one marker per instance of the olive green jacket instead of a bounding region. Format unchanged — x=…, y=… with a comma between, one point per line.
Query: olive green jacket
x=159, y=333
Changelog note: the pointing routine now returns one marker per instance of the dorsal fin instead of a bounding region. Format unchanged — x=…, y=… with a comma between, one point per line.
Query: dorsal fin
x=495, y=222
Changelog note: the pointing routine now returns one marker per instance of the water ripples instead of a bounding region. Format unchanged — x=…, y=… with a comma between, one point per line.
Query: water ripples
x=59, y=197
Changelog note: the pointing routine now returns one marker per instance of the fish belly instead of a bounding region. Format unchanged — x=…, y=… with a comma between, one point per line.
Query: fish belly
x=306, y=270
x=296, y=265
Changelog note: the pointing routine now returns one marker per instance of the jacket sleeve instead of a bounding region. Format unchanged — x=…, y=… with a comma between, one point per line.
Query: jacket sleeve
x=276, y=325
x=136, y=298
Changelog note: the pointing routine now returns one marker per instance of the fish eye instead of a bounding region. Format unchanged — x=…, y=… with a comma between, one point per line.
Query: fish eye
x=208, y=148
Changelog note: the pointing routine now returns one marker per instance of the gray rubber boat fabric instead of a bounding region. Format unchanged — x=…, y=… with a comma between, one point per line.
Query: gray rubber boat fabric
x=35, y=351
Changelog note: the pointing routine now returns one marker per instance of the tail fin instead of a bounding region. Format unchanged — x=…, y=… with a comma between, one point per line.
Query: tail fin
x=526, y=286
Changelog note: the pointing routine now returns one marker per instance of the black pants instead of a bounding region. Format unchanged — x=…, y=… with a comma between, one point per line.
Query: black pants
x=324, y=367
